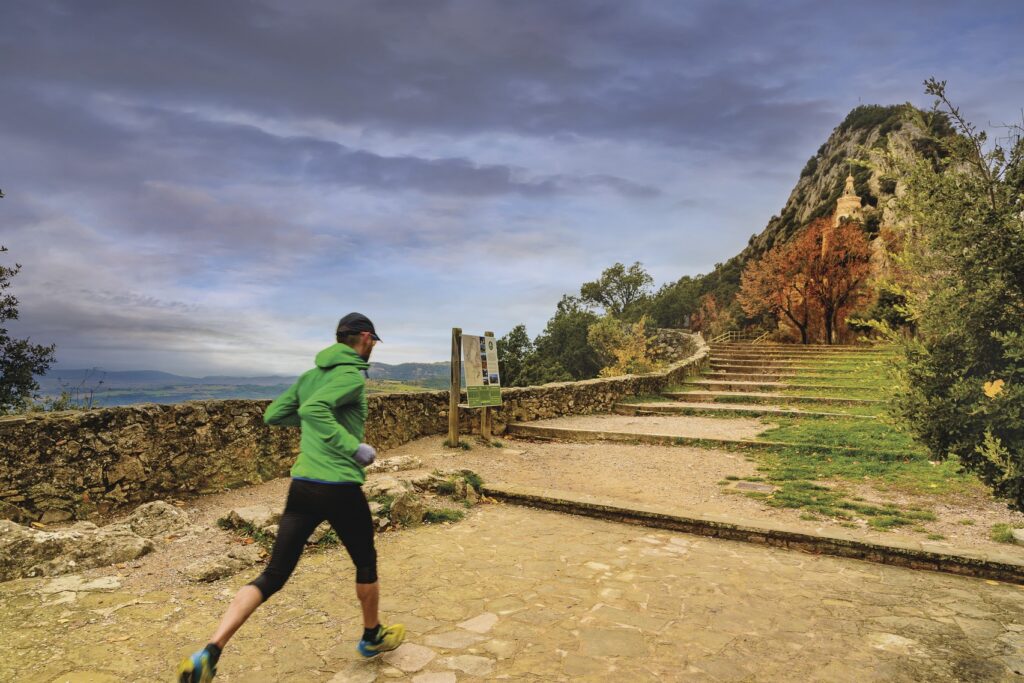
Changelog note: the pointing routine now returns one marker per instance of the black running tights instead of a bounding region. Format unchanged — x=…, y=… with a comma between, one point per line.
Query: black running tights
x=309, y=504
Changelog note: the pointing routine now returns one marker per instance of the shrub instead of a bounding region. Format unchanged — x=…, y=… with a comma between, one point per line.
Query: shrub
x=963, y=393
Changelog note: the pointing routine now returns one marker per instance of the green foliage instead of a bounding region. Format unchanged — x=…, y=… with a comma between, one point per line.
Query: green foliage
x=386, y=501
x=673, y=304
x=887, y=118
x=1002, y=533
x=824, y=501
x=810, y=167
x=618, y=289
x=474, y=480
x=515, y=347
x=890, y=308
x=442, y=515
x=964, y=259
x=20, y=360
x=562, y=352
x=261, y=537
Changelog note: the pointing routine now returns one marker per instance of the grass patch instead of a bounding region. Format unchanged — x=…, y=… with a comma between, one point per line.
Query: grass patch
x=442, y=515
x=844, y=432
x=385, y=501
x=966, y=522
x=259, y=536
x=1002, y=533
x=327, y=540
x=935, y=537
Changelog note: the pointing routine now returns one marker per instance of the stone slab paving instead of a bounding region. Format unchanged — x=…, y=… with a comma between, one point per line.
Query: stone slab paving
x=548, y=597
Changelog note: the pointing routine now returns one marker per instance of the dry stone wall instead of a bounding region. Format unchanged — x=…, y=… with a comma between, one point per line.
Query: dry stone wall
x=83, y=464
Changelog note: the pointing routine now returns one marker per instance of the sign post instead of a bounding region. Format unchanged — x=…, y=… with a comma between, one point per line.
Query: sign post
x=485, y=416
x=456, y=383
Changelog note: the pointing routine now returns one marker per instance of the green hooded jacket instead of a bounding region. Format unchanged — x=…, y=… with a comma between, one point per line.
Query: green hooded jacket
x=329, y=404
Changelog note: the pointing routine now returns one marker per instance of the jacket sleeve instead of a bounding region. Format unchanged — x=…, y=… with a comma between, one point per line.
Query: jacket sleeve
x=317, y=411
x=283, y=410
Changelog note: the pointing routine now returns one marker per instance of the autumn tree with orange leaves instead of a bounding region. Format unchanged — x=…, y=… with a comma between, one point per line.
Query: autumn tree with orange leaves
x=776, y=284
x=806, y=283
x=839, y=273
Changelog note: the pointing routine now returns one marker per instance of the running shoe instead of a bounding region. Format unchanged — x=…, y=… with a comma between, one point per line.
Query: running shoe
x=388, y=638
x=196, y=669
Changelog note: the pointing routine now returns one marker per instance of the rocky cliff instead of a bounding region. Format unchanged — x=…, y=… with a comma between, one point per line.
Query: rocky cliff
x=866, y=133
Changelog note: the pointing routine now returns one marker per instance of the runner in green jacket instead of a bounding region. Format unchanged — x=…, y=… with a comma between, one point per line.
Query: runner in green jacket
x=329, y=404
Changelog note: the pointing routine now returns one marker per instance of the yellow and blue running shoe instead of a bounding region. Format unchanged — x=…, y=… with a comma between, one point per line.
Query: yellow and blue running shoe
x=388, y=638
x=199, y=668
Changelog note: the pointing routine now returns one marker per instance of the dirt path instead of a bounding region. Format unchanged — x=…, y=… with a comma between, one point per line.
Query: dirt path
x=525, y=595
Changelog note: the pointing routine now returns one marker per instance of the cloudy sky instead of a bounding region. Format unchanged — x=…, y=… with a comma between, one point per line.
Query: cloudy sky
x=206, y=187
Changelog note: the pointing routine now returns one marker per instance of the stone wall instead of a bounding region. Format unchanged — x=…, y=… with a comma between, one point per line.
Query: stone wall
x=83, y=464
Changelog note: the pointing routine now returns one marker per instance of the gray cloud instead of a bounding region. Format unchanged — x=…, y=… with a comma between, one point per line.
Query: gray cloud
x=209, y=183
x=537, y=68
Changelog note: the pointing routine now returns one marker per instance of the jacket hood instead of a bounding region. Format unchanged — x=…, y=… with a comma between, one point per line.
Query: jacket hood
x=340, y=354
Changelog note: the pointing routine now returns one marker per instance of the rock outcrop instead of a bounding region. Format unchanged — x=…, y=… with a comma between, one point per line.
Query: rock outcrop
x=28, y=552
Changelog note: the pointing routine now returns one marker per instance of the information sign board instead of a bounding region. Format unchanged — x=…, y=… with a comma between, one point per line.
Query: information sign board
x=480, y=363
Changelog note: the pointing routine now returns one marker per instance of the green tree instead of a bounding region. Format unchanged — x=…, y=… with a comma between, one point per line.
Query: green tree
x=674, y=304
x=20, y=360
x=963, y=259
x=562, y=352
x=515, y=348
x=618, y=288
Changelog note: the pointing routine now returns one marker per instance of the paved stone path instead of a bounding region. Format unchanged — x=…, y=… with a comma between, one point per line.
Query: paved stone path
x=517, y=594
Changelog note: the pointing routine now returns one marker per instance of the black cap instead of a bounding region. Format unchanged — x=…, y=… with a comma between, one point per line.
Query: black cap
x=357, y=322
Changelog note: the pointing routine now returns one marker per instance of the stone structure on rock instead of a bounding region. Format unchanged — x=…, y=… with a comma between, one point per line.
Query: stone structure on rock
x=57, y=467
x=849, y=205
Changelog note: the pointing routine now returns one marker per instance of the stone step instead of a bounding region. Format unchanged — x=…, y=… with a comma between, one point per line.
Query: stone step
x=776, y=370
x=993, y=565
x=806, y=357
x=801, y=352
x=745, y=409
x=810, y=347
x=742, y=385
x=754, y=397
x=526, y=430
x=730, y=375
x=860, y=363
x=778, y=363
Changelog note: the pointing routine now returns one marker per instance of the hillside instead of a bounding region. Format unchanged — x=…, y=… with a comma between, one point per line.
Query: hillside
x=866, y=130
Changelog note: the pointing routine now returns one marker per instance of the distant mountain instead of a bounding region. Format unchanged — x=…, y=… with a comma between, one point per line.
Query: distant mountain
x=399, y=372
x=406, y=372
x=58, y=380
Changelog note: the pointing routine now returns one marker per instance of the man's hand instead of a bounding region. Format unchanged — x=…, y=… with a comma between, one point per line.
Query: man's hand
x=365, y=454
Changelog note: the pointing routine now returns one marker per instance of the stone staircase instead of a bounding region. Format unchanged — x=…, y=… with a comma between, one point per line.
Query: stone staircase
x=755, y=380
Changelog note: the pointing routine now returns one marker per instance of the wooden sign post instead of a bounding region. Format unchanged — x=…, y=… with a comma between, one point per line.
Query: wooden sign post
x=456, y=387
x=485, y=416
x=483, y=388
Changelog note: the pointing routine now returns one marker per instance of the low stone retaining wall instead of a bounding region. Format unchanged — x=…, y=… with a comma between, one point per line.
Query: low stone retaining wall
x=930, y=556
x=76, y=465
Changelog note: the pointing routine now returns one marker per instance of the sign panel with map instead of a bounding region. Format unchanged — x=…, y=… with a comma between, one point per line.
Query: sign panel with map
x=480, y=362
